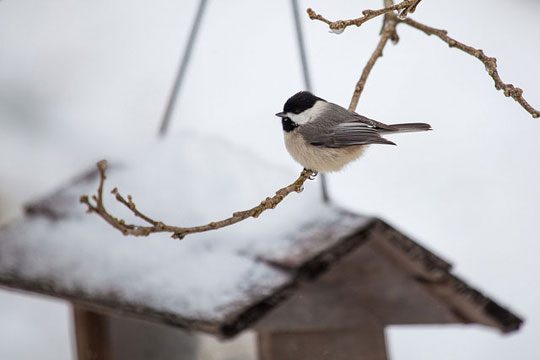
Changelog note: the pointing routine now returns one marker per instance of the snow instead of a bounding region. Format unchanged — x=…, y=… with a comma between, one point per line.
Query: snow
x=205, y=276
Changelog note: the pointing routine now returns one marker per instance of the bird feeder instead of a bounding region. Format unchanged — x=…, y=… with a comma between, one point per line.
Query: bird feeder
x=312, y=280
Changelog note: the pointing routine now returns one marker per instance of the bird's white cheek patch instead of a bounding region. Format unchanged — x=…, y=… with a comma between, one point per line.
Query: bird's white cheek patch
x=309, y=114
x=299, y=118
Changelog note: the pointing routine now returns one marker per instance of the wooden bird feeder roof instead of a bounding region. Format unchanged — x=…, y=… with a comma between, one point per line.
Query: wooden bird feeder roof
x=300, y=266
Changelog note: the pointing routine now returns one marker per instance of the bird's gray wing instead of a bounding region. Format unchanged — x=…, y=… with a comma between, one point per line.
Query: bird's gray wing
x=336, y=128
x=349, y=116
x=342, y=135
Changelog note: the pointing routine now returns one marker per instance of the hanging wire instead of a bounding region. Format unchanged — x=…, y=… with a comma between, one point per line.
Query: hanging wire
x=173, y=96
x=307, y=78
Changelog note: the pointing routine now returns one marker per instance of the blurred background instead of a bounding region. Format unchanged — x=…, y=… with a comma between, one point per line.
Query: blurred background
x=80, y=81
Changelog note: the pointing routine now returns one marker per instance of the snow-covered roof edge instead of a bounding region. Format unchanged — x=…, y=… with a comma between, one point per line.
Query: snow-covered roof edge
x=433, y=273
x=276, y=253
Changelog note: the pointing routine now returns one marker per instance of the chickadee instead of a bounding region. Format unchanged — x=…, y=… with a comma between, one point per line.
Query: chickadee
x=324, y=137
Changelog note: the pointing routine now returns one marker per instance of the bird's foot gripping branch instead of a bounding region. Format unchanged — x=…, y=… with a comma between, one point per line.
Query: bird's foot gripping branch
x=95, y=205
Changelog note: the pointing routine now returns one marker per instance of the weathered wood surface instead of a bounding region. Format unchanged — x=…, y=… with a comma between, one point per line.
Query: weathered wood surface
x=103, y=337
x=362, y=343
x=91, y=335
x=392, y=278
x=361, y=287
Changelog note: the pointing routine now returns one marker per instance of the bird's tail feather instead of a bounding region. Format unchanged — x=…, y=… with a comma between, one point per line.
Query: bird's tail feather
x=410, y=127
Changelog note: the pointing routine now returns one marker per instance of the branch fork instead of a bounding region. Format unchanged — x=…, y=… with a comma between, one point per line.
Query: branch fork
x=391, y=20
x=403, y=9
x=95, y=205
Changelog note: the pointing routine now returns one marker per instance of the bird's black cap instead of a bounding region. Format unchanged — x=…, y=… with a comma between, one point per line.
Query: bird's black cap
x=300, y=101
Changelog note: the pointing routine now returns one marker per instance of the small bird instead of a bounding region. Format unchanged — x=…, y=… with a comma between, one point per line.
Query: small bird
x=324, y=137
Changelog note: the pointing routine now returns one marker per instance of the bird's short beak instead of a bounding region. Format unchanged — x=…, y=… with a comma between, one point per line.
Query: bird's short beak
x=281, y=114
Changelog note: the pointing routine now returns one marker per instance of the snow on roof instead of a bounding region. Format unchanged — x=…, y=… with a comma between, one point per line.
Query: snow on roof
x=219, y=281
x=185, y=180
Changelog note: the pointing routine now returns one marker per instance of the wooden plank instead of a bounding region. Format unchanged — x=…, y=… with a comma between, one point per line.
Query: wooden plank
x=364, y=285
x=467, y=304
x=91, y=334
x=367, y=343
x=142, y=340
x=104, y=337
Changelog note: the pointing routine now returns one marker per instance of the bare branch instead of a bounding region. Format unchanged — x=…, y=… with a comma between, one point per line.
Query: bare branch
x=96, y=206
x=131, y=206
x=405, y=7
x=489, y=62
x=388, y=32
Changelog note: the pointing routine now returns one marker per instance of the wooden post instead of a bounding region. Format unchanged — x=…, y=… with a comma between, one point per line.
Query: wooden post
x=91, y=334
x=104, y=337
x=343, y=344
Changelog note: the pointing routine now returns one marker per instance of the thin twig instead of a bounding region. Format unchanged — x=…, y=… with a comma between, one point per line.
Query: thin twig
x=388, y=33
x=307, y=78
x=179, y=232
x=490, y=63
x=405, y=7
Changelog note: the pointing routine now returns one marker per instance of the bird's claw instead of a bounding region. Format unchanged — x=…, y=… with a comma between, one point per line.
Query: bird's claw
x=313, y=175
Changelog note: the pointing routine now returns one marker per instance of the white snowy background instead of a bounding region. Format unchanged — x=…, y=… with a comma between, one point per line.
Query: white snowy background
x=80, y=81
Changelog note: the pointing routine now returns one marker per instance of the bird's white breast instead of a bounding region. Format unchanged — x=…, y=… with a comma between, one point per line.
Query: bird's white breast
x=320, y=159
